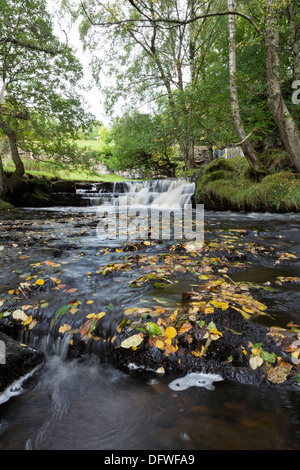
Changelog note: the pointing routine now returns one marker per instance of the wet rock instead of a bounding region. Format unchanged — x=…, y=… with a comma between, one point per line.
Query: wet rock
x=16, y=361
x=64, y=187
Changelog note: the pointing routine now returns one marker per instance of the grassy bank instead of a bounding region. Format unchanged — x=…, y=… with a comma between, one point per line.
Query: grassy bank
x=228, y=185
x=49, y=170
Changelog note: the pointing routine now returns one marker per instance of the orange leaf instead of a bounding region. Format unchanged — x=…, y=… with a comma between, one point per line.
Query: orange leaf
x=184, y=328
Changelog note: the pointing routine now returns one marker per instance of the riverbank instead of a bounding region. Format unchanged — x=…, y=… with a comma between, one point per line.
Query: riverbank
x=229, y=185
x=220, y=185
x=38, y=189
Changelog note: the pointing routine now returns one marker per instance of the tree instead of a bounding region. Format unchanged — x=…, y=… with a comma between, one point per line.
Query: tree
x=155, y=22
x=246, y=146
x=142, y=141
x=286, y=124
x=40, y=108
x=150, y=59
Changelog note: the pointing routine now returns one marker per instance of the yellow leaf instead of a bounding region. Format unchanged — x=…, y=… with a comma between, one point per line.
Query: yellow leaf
x=242, y=312
x=73, y=310
x=216, y=332
x=40, y=282
x=29, y=320
x=26, y=307
x=100, y=314
x=171, y=332
x=64, y=328
x=220, y=304
x=90, y=302
x=160, y=344
x=32, y=324
x=209, y=310
x=196, y=353
x=132, y=341
x=160, y=310
x=248, y=310
x=173, y=317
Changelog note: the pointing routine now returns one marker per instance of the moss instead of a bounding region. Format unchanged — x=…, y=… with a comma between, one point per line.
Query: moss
x=231, y=186
x=5, y=206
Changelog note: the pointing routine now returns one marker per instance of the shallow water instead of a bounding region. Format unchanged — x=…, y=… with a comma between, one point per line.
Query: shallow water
x=87, y=404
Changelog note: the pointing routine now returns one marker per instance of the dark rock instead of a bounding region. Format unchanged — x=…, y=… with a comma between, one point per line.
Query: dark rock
x=64, y=187
x=16, y=360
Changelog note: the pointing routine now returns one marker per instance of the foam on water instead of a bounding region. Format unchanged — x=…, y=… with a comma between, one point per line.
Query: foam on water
x=195, y=379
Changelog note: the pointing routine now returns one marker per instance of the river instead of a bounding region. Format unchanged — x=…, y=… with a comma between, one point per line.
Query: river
x=83, y=403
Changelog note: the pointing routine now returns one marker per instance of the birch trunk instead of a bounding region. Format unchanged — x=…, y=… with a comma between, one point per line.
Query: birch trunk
x=246, y=146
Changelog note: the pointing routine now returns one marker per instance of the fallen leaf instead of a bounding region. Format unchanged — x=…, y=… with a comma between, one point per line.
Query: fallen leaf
x=255, y=362
x=278, y=375
x=20, y=315
x=64, y=328
x=171, y=332
x=132, y=341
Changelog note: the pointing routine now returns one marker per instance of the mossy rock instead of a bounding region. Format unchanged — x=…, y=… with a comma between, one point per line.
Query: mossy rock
x=40, y=185
x=5, y=206
x=217, y=165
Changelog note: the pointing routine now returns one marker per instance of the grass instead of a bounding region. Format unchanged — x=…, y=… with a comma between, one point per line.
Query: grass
x=49, y=170
x=92, y=144
x=228, y=184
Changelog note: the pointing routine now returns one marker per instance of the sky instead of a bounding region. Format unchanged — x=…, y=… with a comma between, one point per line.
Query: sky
x=94, y=98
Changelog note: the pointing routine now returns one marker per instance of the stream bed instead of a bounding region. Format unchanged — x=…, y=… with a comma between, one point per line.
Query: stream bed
x=86, y=403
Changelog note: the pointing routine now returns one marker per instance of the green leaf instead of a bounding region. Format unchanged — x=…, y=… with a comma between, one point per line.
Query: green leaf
x=110, y=306
x=62, y=311
x=152, y=329
x=159, y=285
x=269, y=357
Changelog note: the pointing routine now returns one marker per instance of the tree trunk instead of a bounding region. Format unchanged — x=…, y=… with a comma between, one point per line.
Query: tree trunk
x=294, y=26
x=20, y=170
x=288, y=129
x=2, y=180
x=246, y=146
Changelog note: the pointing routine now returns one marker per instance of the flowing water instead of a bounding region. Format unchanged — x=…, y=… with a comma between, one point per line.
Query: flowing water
x=89, y=404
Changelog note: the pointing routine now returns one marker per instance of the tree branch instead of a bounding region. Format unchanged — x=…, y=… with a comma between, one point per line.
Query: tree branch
x=173, y=21
x=29, y=46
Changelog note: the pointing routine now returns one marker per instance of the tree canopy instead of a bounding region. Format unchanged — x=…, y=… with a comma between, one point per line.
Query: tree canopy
x=40, y=107
x=202, y=55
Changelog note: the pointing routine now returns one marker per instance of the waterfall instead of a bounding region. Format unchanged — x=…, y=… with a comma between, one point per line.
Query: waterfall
x=157, y=193
x=228, y=153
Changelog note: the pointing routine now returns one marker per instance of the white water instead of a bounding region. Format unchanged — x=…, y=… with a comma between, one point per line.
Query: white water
x=157, y=193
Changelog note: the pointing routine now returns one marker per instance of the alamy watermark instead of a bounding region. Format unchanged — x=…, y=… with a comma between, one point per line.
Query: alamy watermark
x=155, y=223
x=2, y=352
x=296, y=94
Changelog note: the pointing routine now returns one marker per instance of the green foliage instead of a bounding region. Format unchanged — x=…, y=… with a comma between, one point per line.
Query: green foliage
x=42, y=104
x=141, y=141
x=232, y=187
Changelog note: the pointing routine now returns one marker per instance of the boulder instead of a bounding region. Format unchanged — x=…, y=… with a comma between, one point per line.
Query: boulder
x=16, y=361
